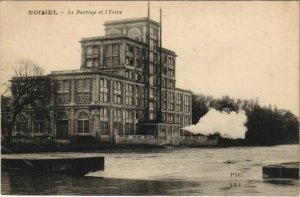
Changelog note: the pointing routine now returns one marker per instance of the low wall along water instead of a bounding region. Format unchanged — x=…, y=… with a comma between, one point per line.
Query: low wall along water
x=153, y=140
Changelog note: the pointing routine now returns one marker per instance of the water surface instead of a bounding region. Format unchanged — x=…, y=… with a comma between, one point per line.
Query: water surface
x=178, y=171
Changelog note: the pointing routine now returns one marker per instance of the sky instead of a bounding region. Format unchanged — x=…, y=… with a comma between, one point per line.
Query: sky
x=244, y=49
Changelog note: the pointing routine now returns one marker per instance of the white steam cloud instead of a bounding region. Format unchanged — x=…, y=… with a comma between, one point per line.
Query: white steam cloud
x=229, y=125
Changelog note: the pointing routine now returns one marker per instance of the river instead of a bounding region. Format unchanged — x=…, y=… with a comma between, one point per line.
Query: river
x=177, y=171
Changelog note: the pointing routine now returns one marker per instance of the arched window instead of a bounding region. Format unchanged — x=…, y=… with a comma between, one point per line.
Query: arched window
x=134, y=33
x=83, y=122
x=21, y=124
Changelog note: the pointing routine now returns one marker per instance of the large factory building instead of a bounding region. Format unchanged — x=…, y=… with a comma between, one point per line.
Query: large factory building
x=124, y=92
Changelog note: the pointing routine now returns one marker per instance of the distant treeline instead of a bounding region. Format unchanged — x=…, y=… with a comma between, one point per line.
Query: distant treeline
x=266, y=125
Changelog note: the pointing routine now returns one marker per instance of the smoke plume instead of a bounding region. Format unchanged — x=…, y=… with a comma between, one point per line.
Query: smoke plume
x=228, y=124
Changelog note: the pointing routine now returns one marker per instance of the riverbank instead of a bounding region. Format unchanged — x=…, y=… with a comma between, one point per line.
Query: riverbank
x=56, y=147
x=49, y=145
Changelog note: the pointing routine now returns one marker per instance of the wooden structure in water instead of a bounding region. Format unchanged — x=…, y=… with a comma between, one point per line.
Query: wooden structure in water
x=283, y=171
x=77, y=165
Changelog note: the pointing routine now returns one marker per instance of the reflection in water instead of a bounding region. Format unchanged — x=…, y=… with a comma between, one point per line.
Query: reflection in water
x=229, y=171
x=61, y=184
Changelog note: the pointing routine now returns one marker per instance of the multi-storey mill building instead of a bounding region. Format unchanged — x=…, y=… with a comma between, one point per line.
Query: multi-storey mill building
x=126, y=85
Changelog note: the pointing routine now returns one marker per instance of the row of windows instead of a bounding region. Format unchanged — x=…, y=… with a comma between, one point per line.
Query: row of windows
x=83, y=94
x=169, y=66
x=82, y=88
x=172, y=118
x=84, y=124
x=83, y=121
x=96, y=55
x=135, y=56
x=22, y=124
x=153, y=80
x=169, y=97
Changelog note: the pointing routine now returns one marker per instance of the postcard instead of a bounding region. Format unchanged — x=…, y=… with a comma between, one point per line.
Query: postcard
x=150, y=98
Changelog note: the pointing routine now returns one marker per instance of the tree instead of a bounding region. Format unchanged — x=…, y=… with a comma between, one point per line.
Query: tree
x=30, y=90
x=200, y=107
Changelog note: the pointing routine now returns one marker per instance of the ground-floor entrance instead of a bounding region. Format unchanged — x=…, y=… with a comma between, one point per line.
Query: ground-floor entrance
x=62, y=129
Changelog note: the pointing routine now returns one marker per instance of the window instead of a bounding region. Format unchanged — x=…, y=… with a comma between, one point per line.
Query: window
x=141, y=77
x=164, y=98
x=171, y=97
x=163, y=82
x=151, y=81
x=129, y=122
x=117, y=92
x=171, y=118
x=128, y=94
x=83, y=122
x=154, y=68
x=83, y=91
x=141, y=116
x=96, y=50
x=129, y=60
x=151, y=105
x=186, y=103
x=171, y=70
x=163, y=117
x=178, y=102
x=151, y=68
x=136, y=98
x=104, y=128
x=171, y=83
x=129, y=74
x=155, y=59
x=152, y=95
x=63, y=92
x=152, y=44
x=39, y=123
x=112, y=55
x=165, y=70
x=103, y=125
x=155, y=80
x=142, y=96
x=177, y=119
x=95, y=62
x=153, y=32
x=117, y=121
x=101, y=55
x=151, y=58
x=152, y=116
x=138, y=57
x=21, y=124
x=103, y=90
x=186, y=121
x=89, y=51
x=89, y=62
x=129, y=49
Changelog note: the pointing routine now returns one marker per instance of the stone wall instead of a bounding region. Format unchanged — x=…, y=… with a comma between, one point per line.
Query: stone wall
x=136, y=139
x=198, y=141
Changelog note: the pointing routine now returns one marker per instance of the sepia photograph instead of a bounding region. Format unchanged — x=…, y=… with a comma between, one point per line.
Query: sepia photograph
x=149, y=98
